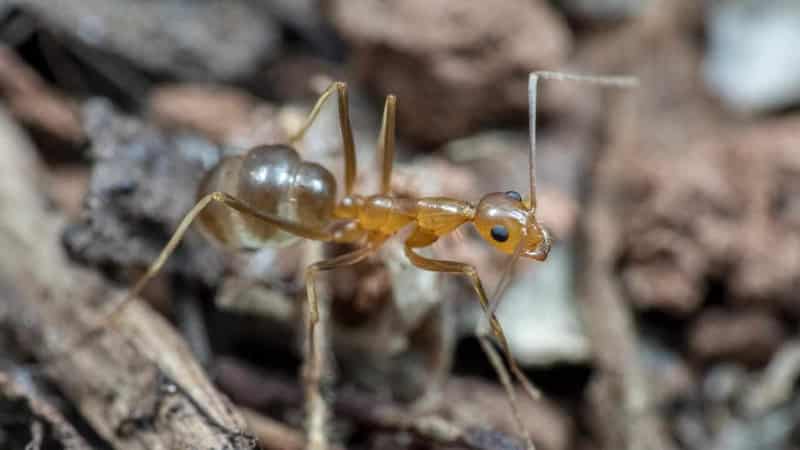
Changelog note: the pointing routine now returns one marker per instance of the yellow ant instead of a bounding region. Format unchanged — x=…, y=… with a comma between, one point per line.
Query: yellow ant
x=269, y=196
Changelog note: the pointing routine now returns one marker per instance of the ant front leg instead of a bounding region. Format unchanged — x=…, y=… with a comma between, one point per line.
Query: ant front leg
x=436, y=265
x=313, y=370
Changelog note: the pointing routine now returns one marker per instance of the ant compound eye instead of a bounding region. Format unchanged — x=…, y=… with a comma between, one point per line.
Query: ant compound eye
x=500, y=219
x=514, y=195
x=499, y=233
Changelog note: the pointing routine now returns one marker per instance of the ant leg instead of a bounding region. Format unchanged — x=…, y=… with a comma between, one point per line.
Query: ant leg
x=218, y=197
x=344, y=126
x=313, y=370
x=468, y=270
x=386, y=140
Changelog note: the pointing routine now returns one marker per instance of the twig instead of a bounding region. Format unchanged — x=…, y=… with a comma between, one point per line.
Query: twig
x=36, y=436
x=239, y=380
x=272, y=435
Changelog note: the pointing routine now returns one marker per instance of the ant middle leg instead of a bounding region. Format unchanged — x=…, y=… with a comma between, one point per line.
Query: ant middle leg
x=469, y=271
x=313, y=370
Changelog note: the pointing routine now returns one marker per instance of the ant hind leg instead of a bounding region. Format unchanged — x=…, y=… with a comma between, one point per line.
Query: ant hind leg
x=316, y=407
x=215, y=197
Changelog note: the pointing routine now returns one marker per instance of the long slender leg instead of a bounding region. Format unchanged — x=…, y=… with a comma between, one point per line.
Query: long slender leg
x=470, y=272
x=313, y=371
x=177, y=236
x=344, y=125
x=386, y=140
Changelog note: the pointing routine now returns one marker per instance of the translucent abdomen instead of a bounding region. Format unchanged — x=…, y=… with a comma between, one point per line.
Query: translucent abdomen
x=271, y=179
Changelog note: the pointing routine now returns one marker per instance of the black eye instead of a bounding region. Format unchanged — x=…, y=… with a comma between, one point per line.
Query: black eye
x=514, y=194
x=499, y=233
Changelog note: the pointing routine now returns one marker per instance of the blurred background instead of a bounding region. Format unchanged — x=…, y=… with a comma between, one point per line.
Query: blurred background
x=665, y=317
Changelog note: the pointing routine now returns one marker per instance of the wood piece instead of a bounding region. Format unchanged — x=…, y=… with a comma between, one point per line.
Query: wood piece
x=253, y=388
x=272, y=434
x=137, y=384
x=35, y=103
x=62, y=430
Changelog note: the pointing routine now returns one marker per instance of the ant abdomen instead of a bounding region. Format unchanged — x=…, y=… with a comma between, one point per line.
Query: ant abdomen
x=272, y=179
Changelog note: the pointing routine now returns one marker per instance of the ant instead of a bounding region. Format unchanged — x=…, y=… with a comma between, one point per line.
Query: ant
x=270, y=196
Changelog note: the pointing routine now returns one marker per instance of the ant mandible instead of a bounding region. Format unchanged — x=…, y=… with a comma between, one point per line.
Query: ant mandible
x=269, y=196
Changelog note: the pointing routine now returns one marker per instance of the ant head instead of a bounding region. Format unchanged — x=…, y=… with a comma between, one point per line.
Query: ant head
x=504, y=220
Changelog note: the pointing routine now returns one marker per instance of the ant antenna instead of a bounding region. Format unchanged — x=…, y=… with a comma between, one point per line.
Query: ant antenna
x=506, y=277
x=533, y=81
